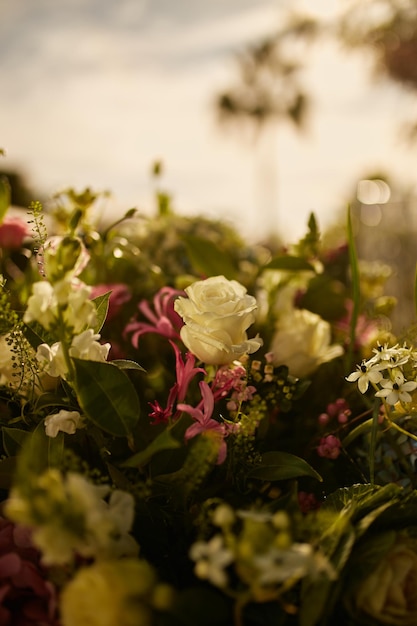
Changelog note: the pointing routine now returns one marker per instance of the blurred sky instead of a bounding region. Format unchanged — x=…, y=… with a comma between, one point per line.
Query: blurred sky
x=93, y=91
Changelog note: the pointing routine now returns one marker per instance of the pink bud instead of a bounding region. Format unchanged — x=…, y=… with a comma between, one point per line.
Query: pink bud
x=13, y=230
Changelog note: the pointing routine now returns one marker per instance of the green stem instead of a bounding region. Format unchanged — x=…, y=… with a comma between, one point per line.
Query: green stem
x=64, y=344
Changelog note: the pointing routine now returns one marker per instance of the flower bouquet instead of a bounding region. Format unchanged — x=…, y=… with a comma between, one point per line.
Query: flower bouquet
x=199, y=430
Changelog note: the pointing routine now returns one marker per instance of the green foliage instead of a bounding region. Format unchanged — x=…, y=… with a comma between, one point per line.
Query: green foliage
x=163, y=441
x=289, y=263
x=106, y=396
x=282, y=466
x=102, y=307
x=207, y=259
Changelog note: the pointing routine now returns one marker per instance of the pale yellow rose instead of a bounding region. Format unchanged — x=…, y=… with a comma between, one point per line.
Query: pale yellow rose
x=302, y=343
x=216, y=315
x=389, y=593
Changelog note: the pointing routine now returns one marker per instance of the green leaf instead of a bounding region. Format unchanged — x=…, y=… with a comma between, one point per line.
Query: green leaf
x=289, y=263
x=373, y=442
x=207, y=259
x=102, y=306
x=106, y=396
x=282, y=466
x=325, y=297
x=127, y=364
x=4, y=196
x=363, y=429
x=36, y=335
x=362, y=498
x=164, y=441
x=38, y=453
x=13, y=439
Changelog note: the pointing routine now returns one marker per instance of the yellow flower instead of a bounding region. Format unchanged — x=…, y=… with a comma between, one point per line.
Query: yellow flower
x=113, y=593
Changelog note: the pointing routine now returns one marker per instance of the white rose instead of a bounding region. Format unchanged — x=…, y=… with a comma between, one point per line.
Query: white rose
x=302, y=342
x=389, y=593
x=216, y=316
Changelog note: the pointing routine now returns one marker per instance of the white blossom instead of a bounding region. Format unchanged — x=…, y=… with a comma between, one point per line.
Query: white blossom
x=63, y=421
x=396, y=389
x=212, y=557
x=366, y=373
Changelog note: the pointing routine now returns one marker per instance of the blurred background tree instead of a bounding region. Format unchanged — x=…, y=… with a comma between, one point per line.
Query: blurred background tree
x=387, y=31
x=270, y=91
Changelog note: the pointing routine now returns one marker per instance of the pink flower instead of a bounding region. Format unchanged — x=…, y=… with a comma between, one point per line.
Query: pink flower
x=13, y=230
x=307, y=502
x=120, y=294
x=27, y=598
x=366, y=329
x=329, y=447
x=185, y=372
x=203, y=420
x=228, y=378
x=163, y=319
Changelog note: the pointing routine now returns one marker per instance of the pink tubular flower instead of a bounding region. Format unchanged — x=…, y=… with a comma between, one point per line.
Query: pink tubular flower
x=26, y=597
x=163, y=319
x=185, y=372
x=120, y=294
x=13, y=231
x=329, y=447
x=203, y=420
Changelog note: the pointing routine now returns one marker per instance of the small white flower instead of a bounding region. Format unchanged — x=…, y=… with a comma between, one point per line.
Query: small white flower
x=64, y=421
x=86, y=346
x=51, y=359
x=212, y=557
x=396, y=390
x=277, y=565
x=41, y=305
x=367, y=372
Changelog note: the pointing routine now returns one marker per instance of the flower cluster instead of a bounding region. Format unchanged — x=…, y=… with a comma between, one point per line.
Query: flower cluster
x=181, y=441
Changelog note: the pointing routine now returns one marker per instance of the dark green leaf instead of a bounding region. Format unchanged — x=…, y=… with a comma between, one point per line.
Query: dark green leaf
x=13, y=439
x=282, y=466
x=289, y=263
x=207, y=259
x=325, y=297
x=38, y=453
x=106, y=396
x=164, y=441
x=374, y=432
x=126, y=364
x=363, y=429
x=36, y=335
